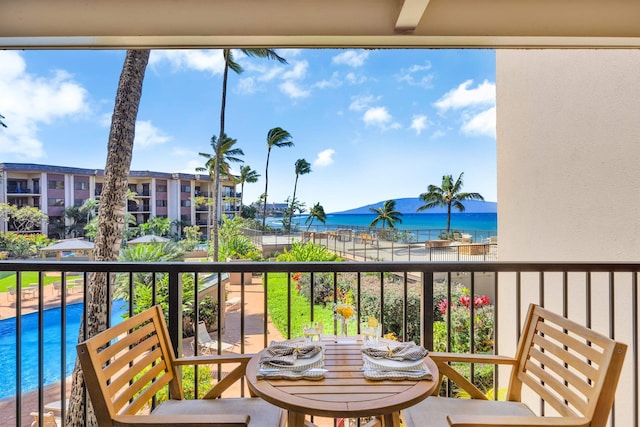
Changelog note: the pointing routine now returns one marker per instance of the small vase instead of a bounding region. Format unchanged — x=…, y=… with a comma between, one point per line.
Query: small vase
x=343, y=329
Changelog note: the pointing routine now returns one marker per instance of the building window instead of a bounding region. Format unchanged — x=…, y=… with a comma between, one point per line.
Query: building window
x=78, y=202
x=185, y=203
x=185, y=188
x=55, y=185
x=55, y=202
x=161, y=189
x=80, y=185
x=161, y=203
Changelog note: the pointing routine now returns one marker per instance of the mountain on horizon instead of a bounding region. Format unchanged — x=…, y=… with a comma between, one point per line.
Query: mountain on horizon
x=409, y=205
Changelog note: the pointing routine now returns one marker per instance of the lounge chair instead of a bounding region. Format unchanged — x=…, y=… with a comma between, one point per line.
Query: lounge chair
x=12, y=292
x=206, y=344
x=48, y=420
x=572, y=368
x=127, y=365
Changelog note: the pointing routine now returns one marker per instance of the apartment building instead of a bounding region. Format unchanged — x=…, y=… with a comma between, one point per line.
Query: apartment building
x=52, y=189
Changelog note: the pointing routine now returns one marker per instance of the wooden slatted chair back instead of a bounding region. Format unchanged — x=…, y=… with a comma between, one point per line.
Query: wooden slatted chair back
x=136, y=361
x=572, y=368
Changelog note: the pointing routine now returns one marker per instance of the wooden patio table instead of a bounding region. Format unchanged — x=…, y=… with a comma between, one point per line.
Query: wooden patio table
x=344, y=392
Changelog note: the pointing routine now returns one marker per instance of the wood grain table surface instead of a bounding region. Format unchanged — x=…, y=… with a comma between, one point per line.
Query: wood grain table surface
x=344, y=392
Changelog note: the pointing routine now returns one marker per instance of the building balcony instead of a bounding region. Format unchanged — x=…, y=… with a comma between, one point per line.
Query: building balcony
x=406, y=296
x=18, y=191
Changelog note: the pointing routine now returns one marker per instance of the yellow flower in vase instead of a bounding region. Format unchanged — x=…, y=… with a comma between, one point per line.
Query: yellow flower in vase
x=343, y=313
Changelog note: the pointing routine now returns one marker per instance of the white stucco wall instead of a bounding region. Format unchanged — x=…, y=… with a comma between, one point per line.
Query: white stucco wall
x=568, y=144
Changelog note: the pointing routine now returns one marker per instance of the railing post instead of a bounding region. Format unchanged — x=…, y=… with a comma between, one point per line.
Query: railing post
x=175, y=310
x=426, y=310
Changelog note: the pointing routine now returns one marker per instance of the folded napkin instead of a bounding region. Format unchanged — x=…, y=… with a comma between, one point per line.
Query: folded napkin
x=376, y=373
x=286, y=354
x=404, y=351
x=266, y=372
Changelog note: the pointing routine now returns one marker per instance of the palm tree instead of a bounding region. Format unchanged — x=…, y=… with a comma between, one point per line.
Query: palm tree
x=246, y=175
x=223, y=149
x=276, y=137
x=237, y=68
x=387, y=215
x=316, y=212
x=302, y=168
x=111, y=213
x=448, y=195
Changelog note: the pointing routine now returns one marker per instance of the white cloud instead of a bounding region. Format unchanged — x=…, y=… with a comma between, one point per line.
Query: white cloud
x=334, y=81
x=419, y=123
x=438, y=134
x=199, y=60
x=354, y=79
x=298, y=72
x=360, y=103
x=378, y=116
x=462, y=96
x=247, y=85
x=417, y=75
x=351, y=58
x=270, y=73
x=324, y=158
x=483, y=123
x=29, y=101
x=148, y=135
x=293, y=90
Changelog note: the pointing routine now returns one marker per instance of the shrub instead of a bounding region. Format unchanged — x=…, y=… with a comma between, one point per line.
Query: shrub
x=307, y=252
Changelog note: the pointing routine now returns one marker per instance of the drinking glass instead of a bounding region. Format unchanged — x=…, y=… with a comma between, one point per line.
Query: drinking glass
x=370, y=333
x=312, y=331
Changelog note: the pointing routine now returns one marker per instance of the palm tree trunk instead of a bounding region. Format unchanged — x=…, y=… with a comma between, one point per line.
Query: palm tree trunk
x=111, y=214
x=216, y=163
x=241, y=196
x=266, y=186
x=448, y=218
x=293, y=202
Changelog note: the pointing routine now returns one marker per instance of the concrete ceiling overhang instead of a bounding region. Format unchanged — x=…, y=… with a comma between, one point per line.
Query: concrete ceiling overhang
x=318, y=23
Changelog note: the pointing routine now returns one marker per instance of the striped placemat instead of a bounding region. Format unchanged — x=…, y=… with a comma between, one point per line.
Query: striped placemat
x=313, y=371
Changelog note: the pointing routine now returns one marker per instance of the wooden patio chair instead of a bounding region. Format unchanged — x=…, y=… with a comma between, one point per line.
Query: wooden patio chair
x=572, y=368
x=127, y=365
x=48, y=420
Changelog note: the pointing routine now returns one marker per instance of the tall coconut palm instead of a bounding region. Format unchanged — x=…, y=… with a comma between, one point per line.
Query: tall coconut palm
x=302, y=167
x=448, y=195
x=112, y=216
x=387, y=215
x=223, y=149
x=247, y=175
x=229, y=63
x=316, y=212
x=276, y=137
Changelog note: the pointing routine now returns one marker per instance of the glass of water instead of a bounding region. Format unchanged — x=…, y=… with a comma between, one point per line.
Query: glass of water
x=370, y=332
x=312, y=332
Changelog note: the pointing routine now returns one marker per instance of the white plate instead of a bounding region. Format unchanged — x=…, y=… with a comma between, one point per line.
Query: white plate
x=392, y=364
x=300, y=364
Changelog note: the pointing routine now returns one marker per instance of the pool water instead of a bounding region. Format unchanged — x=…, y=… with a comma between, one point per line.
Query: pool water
x=51, y=346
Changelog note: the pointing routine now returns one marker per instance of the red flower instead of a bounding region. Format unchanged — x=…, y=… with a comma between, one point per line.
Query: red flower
x=465, y=300
x=442, y=307
x=297, y=276
x=481, y=301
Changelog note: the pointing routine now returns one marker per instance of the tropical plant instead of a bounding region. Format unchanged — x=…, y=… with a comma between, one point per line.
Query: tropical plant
x=307, y=252
x=302, y=167
x=247, y=175
x=293, y=206
x=276, y=137
x=24, y=218
x=157, y=226
x=89, y=206
x=316, y=212
x=111, y=213
x=223, y=150
x=234, y=244
x=230, y=63
x=387, y=215
x=449, y=195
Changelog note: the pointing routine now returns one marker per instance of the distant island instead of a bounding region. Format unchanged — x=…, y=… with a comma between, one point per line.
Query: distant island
x=409, y=205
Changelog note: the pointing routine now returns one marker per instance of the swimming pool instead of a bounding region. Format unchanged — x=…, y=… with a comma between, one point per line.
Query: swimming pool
x=51, y=345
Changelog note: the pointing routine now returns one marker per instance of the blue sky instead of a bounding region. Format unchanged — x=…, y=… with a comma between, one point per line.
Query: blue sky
x=374, y=124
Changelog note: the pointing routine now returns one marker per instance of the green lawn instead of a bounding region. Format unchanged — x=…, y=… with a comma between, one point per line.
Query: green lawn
x=300, y=308
x=28, y=277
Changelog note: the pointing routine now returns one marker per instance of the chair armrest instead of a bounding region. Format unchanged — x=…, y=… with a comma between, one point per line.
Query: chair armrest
x=472, y=358
x=209, y=360
x=514, y=421
x=227, y=420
